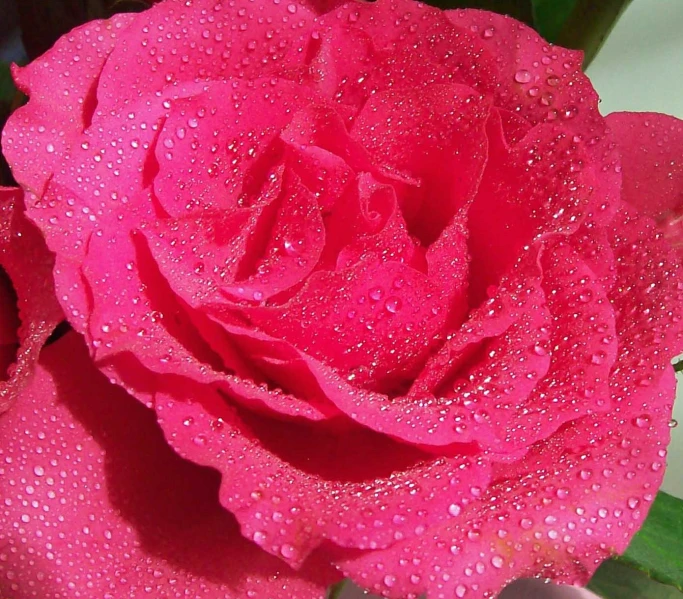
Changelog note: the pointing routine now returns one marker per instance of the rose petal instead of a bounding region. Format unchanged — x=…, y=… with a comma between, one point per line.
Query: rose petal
x=216, y=173
x=322, y=152
x=62, y=88
x=28, y=266
x=136, y=313
x=341, y=58
x=373, y=322
x=555, y=518
x=196, y=253
x=650, y=145
x=294, y=245
x=95, y=499
x=413, y=46
x=212, y=41
x=367, y=221
x=581, y=495
x=448, y=267
x=289, y=495
x=545, y=83
x=540, y=187
x=415, y=131
x=389, y=23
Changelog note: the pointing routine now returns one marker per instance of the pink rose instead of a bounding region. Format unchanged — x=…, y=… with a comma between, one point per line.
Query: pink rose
x=385, y=268
x=28, y=309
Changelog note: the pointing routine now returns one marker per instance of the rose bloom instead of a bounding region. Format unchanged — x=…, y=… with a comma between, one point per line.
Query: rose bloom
x=367, y=290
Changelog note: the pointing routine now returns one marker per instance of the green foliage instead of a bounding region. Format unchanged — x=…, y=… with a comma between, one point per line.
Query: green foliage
x=657, y=549
x=9, y=99
x=551, y=15
x=616, y=580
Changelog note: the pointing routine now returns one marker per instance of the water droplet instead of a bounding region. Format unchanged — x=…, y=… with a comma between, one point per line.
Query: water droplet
x=393, y=305
x=259, y=537
x=642, y=421
x=375, y=294
x=454, y=509
x=598, y=357
x=522, y=76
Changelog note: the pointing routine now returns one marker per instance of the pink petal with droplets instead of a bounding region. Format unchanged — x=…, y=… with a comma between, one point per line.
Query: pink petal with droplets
x=211, y=41
x=340, y=317
x=367, y=222
x=414, y=131
x=292, y=486
x=204, y=163
x=545, y=84
x=578, y=497
x=136, y=313
x=539, y=187
x=30, y=310
x=651, y=145
x=96, y=502
x=62, y=88
x=293, y=245
x=341, y=58
x=198, y=252
x=389, y=23
x=323, y=154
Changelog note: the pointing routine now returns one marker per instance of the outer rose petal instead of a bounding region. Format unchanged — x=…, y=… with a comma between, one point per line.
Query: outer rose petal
x=292, y=487
x=557, y=515
x=651, y=148
x=62, y=85
x=28, y=265
x=579, y=496
x=211, y=40
x=544, y=83
x=96, y=502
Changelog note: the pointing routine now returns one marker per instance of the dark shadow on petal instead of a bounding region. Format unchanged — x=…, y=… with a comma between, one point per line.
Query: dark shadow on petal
x=171, y=502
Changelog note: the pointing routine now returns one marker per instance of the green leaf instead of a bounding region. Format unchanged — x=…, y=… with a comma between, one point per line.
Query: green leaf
x=7, y=89
x=589, y=24
x=336, y=590
x=616, y=580
x=551, y=15
x=657, y=548
x=652, y=566
x=9, y=100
